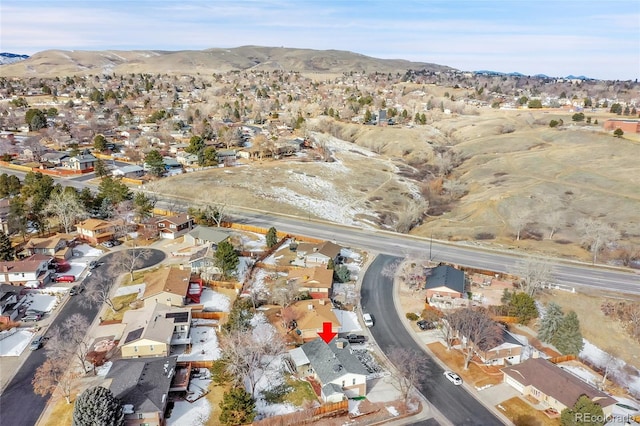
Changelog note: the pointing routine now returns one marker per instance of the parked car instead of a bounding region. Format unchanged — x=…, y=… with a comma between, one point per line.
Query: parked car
x=356, y=338
x=453, y=378
x=36, y=343
x=368, y=320
x=34, y=312
x=425, y=325
x=33, y=318
x=64, y=278
x=107, y=244
x=62, y=266
x=76, y=289
x=94, y=264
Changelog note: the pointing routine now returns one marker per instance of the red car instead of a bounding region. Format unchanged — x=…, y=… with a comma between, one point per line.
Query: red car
x=64, y=278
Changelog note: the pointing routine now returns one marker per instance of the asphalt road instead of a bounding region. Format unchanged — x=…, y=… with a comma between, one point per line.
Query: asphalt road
x=19, y=405
x=454, y=402
x=566, y=273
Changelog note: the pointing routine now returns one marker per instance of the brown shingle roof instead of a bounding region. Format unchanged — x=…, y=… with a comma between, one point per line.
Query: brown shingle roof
x=321, y=312
x=171, y=280
x=318, y=277
x=555, y=382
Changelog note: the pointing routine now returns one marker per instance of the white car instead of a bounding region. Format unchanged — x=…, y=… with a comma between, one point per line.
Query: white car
x=453, y=378
x=368, y=320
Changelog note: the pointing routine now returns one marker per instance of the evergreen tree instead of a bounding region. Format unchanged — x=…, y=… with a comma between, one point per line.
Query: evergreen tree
x=272, y=237
x=341, y=274
x=99, y=143
x=100, y=169
x=114, y=190
x=331, y=264
x=36, y=119
x=97, y=407
x=523, y=306
x=143, y=206
x=237, y=407
x=618, y=133
x=583, y=413
x=226, y=258
x=550, y=323
x=155, y=162
x=568, y=339
x=7, y=251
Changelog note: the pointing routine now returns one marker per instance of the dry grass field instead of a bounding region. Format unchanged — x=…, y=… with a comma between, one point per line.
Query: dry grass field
x=513, y=161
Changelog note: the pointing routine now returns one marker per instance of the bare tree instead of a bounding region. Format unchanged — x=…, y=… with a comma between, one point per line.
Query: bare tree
x=288, y=315
x=534, y=273
x=610, y=364
x=66, y=206
x=99, y=294
x=596, y=235
x=477, y=331
x=553, y=220
x=68, y=340
x=389, y=271
x=413, y=212
x=131, y=259
x=54, y=374
x=409, y=367
x=285, y=292
x=248, y=357
x=447, y=332
x=518, y=219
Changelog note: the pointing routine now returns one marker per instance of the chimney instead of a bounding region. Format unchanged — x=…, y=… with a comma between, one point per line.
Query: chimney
x=322, y=302
x=535, y=354
x=310, y=306
x=340, y=344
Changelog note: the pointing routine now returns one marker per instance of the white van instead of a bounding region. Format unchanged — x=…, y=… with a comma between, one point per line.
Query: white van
x=368, y=320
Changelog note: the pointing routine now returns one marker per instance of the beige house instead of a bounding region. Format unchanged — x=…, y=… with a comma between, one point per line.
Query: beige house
x=551, y=385
x=96, y=231
x=318, y=281
x=168, y=286
x=56, y=246
x=151, y=331
x=312, y=314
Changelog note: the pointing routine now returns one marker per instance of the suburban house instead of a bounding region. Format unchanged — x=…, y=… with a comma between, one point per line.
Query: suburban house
x=83, y=162
x=151, y=330
x=317, y=281
x=553, y=386
x=130, y=171
x=34, y=269
x=203, y=262
x=96, y=231
x=445, y=282
x=9, y=296
x=172, y=227
x=508, y=351
x=205, y=235
x=186, y=158
x=55, y=157
x=56, y=246
x=142, y=386
x=318, y=254
x=167, y=285
x=339, y=371
x=312, y=314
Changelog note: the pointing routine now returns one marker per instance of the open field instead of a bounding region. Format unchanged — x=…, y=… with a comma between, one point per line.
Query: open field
x=513, y=162
x=598, y=329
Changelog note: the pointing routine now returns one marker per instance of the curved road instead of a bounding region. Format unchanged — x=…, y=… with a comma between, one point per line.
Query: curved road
x=18, y=404
x=453, y=402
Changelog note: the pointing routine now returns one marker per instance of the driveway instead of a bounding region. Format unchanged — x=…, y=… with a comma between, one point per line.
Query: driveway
x=454, y=402
x=19, y=394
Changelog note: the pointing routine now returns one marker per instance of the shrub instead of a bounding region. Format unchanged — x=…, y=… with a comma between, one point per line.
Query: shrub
x=412, y=316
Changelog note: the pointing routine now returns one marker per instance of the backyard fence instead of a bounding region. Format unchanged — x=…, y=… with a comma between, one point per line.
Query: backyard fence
x=562, y=358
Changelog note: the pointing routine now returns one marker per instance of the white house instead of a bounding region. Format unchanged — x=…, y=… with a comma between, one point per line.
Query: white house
x=33, y=268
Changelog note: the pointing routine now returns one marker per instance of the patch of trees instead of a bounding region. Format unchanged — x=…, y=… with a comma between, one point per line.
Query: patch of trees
x=475, y=328
x=561, y=330
x=583, y=412
x=628, y=313
x=517, y=304
x=7, y=252
x=98, y=407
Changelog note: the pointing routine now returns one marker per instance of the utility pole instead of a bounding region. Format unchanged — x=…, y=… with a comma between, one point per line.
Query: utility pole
x=430, y=245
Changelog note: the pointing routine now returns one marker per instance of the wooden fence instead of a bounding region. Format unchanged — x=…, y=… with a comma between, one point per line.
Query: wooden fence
x=505, y=319
x=201, y=364
x=220, y=316
x=562, y=358
x=307, y=416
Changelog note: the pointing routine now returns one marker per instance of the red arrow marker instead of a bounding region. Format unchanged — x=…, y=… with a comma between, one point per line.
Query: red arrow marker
x=327, y=333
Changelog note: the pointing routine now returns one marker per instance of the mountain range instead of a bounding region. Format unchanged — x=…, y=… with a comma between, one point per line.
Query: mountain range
x=10, y=58
x=216, y=60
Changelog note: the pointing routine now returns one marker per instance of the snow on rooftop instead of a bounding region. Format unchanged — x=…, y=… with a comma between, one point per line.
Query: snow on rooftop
x=348, y=321
x=130, y=289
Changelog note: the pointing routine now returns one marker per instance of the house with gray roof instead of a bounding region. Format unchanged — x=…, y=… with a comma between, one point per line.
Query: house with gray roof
x=446, y=281
x=142, y=385
x=129, y=171
x=205, y=235
x=339, y=371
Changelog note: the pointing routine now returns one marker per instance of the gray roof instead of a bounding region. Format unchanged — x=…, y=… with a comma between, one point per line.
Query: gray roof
x=129, y=169
x=330, y=362
x=211, y=235
x=143, y=382
x=446, y=276
x=332, y=389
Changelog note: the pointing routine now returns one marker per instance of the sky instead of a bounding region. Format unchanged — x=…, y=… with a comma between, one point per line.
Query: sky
x=595, y=38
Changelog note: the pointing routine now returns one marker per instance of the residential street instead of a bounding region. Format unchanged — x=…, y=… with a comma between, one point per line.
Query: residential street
x=454, y=402
x=19, y=393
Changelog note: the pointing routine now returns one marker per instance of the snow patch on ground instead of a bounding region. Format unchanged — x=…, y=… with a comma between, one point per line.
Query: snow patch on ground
x=392, y=410
x=584, y=375
x=214, y=301
x=204, y=345
x=257, y=243
x=103, y=370
x=86, y=250
x=600, y=358
x=348, y=321
x=15, y=342
x=39, y=302
x=244, y=264
x=187, y=413
x=130, y=289
x=272, y=260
